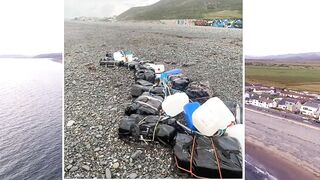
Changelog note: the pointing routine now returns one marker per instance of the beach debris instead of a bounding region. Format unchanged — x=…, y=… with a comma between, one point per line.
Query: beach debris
x=179, y=82
x=173, y=104
x=159, y=98
x=145, y=104
x=145, y=74
x=236, y=131
x=188, y=110
x=210, y=157
x=158, y=68
x=212, y=116
x=198, y=91
x=118, y=58
x=142, y=86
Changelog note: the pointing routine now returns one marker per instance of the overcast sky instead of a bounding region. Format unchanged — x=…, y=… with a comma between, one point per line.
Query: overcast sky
x=101, y=8
x=274, y=27
x=31, y=26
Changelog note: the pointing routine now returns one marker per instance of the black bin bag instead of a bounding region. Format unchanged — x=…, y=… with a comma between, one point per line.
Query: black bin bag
x=218, y=157
x=165, y=134
x=229, y=153
x=145, y=74
x=145, y=104
x=148, y=127
x=205, y=162
x=142, y=86
x=129, y=126
x=182, y=150
x=179, y=83
x=198, y=92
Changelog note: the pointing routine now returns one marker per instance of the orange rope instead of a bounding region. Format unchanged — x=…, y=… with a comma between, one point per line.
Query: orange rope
x=218, y=162
x=194, y=139
x=183, y=169
x=190, y=169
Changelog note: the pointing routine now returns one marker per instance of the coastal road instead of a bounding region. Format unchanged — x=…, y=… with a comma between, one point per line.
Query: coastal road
x=287, y=115
x=293, y=142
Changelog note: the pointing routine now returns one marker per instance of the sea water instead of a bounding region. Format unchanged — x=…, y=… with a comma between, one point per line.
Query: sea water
x=30, y=119
x=256, y=171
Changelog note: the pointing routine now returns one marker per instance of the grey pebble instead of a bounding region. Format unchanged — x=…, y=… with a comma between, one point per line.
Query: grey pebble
x=133, y=176
x=108, y=174
x=136, y=154
x=69, y=167
x=74, y=168
x=86, y=167
x=116, y=165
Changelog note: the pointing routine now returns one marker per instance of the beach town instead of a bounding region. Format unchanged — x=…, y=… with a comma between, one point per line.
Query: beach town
x=305, y=105
x=282, y=125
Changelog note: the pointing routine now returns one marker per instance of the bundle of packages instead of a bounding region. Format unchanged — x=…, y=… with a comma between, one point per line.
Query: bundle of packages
x=142, y=86
x=145, y=74
x=208, y=157
x=198, y=91
x=200, y=143
x=179, y=82
x=145, y=104
x=148, y=128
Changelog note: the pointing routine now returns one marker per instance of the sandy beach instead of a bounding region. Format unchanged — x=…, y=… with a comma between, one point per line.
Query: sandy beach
x=278, y=166
x=287, y=150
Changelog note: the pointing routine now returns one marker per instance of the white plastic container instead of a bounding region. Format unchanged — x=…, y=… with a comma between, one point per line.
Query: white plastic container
x=158, y=68
x=173, y=104
x=212, y=116
x=237, y=131
x=129, y=58
x=117, y=56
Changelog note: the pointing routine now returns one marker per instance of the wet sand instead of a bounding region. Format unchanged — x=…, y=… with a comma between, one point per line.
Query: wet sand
x=288, y=150
x=276, y=165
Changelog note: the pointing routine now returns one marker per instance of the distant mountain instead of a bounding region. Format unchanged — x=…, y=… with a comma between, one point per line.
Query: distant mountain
x=49, y=56
x=312, y=56
x=53, y=56
x=185, y=9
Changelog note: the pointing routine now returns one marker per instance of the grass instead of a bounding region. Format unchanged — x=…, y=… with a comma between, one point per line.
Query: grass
x=185, y=9
x=303, y=78
x=223, y=14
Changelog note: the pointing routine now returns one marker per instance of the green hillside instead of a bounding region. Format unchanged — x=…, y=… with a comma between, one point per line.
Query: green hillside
x=185, y=9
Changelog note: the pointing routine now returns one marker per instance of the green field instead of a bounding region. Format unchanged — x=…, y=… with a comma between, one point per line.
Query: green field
x=297, y=77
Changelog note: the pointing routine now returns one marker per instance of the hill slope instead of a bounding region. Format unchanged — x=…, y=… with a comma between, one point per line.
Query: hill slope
x=185, y=9
x=53, y=56
x=312, y=56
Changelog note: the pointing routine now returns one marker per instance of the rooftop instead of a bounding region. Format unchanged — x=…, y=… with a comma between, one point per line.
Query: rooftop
x=314, y=104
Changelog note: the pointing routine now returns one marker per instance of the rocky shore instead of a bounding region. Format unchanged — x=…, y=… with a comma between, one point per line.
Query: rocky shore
x=95, y=97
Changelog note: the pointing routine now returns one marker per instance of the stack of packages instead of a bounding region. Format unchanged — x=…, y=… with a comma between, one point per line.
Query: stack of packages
x=207, y=140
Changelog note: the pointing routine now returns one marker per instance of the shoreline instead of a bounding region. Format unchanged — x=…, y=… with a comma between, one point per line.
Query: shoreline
x=279, y=166
x=32, y=58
